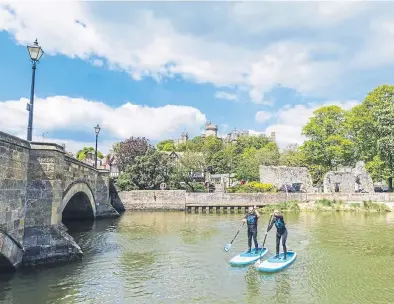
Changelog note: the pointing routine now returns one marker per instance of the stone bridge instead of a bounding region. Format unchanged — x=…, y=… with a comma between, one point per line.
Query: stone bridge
x=40, y=188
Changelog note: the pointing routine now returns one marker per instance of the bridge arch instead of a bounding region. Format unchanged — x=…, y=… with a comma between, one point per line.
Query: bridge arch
x=78, y=202
x=11, y=252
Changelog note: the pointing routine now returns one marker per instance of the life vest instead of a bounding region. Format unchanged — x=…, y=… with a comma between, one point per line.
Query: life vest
x=279, y=224
x=251, y=219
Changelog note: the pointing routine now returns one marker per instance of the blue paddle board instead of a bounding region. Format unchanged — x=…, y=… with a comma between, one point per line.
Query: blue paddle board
x=246, y=258
x=274, y=264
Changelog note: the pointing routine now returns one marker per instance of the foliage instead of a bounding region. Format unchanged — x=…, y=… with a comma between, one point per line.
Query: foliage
x=128, y=150
x=82, y=154
x=377, y=169
x=166, y=145
x=147, y=172
x=248, y=166
x=327, y=144
x=293, y=156
x=183, y=171
x=371, y=206
x=335, y=137
x=246, y=142
x=283, y=206
x=252, y=187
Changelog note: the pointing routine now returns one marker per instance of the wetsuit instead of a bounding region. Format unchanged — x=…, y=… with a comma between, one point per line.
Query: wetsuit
x=281, y=232
x=251, y=220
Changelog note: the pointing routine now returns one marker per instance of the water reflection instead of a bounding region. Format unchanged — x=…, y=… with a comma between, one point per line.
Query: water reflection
x=159, y=257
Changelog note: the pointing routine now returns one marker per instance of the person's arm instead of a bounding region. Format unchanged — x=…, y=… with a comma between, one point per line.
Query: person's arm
x=244, y=219
x=271, y=224
x=257, y=212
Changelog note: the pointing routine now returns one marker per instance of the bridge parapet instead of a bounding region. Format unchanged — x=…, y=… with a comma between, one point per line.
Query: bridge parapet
x=38, y=181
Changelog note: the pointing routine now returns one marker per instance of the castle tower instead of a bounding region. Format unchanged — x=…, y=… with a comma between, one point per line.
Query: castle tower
x=273, y=136
x=184, y=137
x=210, y=129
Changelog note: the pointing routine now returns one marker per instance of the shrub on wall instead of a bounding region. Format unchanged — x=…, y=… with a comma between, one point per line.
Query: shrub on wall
x=252, y=187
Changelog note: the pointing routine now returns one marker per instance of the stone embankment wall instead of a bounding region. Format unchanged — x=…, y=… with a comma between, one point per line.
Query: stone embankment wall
x=178, y=200
x=153, y=200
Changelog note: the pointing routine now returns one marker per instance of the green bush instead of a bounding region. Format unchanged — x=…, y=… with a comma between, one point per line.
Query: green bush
x=283, y=206
x=371, y=206
x=252, y=187
x=328, y=203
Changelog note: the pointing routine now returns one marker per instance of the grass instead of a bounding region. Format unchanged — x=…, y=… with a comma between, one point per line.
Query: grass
x=327, y=205
x=283, y=206
x=371, y=206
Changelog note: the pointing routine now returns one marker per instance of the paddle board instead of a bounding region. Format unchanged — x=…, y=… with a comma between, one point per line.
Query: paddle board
x=246, y=258
x=273, y=264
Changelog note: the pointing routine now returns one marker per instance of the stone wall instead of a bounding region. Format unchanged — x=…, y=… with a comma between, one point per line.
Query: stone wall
x=348, y=180
x=178, y=200
x=37, y=182
x=76, y=171
x=153, y=200
x=344, y=181
x=14, y=158
x=282, y=175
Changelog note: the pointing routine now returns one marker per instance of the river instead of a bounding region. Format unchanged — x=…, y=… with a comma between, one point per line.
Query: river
x=173, y=257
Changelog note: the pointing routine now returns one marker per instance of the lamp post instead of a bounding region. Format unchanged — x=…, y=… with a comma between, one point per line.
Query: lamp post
x=35, y=53
x=97, y=131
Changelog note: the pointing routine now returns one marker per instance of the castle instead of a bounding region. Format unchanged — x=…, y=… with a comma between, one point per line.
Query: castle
x=212, y=130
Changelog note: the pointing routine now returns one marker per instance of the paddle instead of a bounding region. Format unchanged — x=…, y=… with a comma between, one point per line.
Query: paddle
x=265, y=237
x=228, y=246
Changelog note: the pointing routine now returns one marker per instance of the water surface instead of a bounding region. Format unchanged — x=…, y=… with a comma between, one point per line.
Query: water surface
x=158, y=257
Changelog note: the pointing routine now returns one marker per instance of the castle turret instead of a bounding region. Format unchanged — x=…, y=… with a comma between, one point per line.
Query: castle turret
x=210, y=129
x=273, y=136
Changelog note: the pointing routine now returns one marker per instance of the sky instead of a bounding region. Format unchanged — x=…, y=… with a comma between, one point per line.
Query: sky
x=156, y=69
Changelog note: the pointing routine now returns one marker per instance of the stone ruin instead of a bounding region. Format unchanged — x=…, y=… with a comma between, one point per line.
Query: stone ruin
x=298, y=177
x=348, y=180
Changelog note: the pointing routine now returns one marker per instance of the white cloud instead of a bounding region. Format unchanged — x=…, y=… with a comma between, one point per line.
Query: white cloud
x=262, y=116
x=79, y=115
x=157, y=40
x=291, y=119
x=225, y=95
x=98, y=62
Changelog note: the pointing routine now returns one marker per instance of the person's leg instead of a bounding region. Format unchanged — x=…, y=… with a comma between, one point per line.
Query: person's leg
x=249, y=240
x=277, y=244
x=256, y=245
x=284, y=239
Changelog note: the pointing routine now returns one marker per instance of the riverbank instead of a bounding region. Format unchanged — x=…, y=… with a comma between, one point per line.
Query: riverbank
x=182, y=200
x=326, y=205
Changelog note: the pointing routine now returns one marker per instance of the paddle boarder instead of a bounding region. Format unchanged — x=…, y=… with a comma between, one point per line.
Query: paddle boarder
x=281, y=232
x=251, y=219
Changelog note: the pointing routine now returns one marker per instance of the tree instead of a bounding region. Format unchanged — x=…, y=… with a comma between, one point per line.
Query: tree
x=81, y=154
x=188, y=165
x=248, y=166
x=377, y=169
x=268, y=155
x=127, y=151
x=166, y=145
x=328, y=145
x=254, y=141
x=148, y=171
x=195, y=144
x=292, y=156
x=378, y=138
x=225, y=160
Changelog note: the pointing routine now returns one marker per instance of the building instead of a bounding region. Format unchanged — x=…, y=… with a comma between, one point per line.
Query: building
x=210, y=129
x=183, y=140
x=234, y=135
